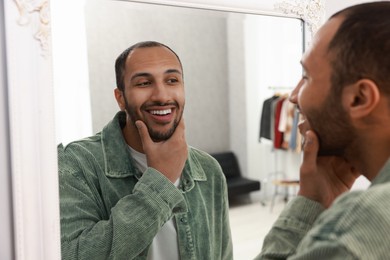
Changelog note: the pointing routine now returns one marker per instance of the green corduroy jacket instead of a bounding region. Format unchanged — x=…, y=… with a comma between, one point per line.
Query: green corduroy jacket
x=111, y=210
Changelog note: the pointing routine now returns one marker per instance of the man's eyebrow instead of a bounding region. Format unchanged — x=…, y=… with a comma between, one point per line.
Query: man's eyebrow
x=140, y=74
x=146, y=74
x=173, y=71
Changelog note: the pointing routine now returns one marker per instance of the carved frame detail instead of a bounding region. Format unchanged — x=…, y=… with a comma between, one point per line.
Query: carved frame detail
x=311, y=11
x=37, y=14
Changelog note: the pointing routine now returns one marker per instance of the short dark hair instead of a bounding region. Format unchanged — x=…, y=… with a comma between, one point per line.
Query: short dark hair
x=120, y=63
x=361, y=46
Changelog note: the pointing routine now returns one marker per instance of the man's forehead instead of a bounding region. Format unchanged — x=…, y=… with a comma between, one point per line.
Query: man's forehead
x=320, y=43
x=151, y=53
x=152, y=61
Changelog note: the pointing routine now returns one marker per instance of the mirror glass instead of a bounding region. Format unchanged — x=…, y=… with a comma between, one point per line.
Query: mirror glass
x=232, y=62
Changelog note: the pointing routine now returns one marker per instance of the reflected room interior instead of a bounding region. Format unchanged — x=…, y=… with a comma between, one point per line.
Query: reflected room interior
x=232, y=63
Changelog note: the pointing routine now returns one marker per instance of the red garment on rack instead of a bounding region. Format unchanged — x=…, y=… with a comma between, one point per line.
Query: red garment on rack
x=278, y=136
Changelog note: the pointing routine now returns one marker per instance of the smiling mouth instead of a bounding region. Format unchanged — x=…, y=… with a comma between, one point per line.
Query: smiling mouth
x=161, y=112
x=303, y=125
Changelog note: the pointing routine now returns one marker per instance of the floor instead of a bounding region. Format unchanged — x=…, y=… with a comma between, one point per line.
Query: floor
x=250, y=221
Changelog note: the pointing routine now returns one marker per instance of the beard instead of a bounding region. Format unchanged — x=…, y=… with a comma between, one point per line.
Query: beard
x=332, y=126
x=156, y=136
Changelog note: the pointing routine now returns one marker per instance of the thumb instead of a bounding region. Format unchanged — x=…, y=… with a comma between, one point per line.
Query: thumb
x=310, y=149
x=143, y=133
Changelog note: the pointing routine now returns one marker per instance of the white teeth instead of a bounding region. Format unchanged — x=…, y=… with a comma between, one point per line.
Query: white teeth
x=161, y=112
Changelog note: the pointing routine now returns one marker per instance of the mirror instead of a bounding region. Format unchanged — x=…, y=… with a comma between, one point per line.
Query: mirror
x=47, y=42
x=232, y=62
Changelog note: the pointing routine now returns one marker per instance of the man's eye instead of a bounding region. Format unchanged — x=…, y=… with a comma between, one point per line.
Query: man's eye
x=143, y=83
x=304, y=76
x=173, y=80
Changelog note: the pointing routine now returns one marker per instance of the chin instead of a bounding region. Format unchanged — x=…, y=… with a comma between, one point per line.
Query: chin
x=158, y=136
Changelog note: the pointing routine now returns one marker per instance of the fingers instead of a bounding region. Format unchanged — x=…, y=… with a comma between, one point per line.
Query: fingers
x=168, y=156
x=310, y=150
x=180, y=129
x=143, y=133
x=323, y=178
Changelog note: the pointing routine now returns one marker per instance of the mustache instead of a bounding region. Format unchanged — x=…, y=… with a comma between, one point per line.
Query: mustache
x=158, y=103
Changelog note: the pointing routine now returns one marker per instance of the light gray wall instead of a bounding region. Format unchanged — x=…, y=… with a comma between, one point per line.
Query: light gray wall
x=237, y=90
x=200, y=41
x=226, y=58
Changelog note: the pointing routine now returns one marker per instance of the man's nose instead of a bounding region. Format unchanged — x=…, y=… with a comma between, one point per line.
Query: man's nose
x=293, y=98
x=160, y=91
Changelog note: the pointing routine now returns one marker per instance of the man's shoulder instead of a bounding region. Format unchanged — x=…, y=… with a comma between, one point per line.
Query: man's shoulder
x=206, y=162
x=358, y=211
x=199, y=153
x=359, y=221
x=79, y=151
x=112, y=131
x=374, y=197
x=81, y=144
x=201, y=156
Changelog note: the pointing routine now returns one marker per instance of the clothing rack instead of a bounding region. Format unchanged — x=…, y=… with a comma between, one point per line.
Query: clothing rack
x=284, y=89
x=272, y=175
x=275, y=174
x=280, y=87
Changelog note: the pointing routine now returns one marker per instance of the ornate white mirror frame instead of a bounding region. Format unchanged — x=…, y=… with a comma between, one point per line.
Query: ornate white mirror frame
x=30, y=95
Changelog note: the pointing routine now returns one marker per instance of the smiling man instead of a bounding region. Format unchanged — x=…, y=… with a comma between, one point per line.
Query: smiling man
x=136, y=190
x=344, y=99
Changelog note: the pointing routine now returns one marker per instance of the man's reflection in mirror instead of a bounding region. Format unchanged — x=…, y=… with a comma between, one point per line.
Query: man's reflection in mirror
x=136, y=189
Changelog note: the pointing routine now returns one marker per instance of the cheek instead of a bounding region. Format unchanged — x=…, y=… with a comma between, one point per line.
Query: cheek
x=135, y=99
x=310, y=98
x=303, y=99
x=178, y=95
x=181, y=100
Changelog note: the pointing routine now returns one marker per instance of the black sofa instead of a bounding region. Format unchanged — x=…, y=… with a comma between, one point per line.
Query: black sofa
x=236, y=183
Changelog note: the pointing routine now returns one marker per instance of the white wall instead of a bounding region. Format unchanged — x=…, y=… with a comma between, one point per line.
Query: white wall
x=70, y=71
x=272, y=61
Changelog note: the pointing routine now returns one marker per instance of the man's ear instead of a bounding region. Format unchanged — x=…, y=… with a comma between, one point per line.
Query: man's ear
x=120, y=98
x=361, y=98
